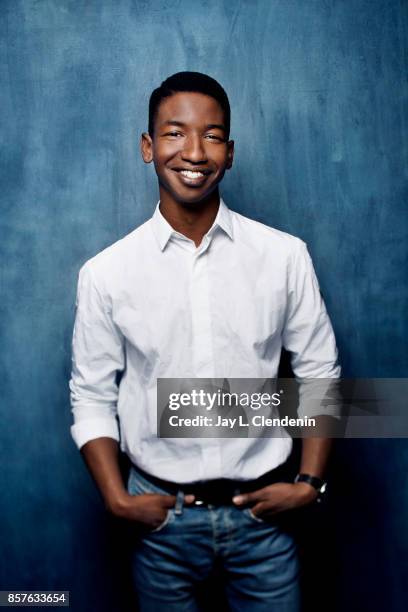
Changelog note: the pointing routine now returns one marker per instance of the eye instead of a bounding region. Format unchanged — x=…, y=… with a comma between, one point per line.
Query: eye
x=173, y=134
x=215, y=137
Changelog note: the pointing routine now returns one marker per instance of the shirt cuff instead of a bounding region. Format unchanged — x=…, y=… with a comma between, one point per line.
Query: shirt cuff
x=320, y=397
x=89, y=429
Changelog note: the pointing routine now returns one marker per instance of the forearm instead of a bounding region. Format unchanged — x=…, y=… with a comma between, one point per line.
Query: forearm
x=315, y=456
x=102, y=459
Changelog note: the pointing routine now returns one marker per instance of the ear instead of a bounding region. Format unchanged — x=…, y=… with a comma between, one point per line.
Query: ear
x=230, y=153
x=146, y=147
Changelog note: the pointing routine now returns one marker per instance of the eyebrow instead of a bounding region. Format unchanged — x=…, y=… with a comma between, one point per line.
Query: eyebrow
x=210, y=126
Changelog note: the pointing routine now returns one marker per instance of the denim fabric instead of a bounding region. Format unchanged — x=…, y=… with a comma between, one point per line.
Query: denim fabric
x=257, y=558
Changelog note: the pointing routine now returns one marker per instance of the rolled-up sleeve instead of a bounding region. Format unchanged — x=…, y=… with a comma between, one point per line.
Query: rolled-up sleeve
x=97, y=357
x=308, y=333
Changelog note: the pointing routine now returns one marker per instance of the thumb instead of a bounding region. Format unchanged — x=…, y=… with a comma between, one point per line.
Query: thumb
x=246, y=498
x=169, y=501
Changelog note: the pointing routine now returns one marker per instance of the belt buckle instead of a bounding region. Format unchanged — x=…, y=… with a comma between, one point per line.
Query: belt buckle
x=214, y=494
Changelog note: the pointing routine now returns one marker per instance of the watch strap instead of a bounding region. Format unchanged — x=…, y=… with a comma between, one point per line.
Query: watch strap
x=316, y=483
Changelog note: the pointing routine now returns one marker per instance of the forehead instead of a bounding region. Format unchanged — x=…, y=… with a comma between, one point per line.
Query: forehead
x=190, y=108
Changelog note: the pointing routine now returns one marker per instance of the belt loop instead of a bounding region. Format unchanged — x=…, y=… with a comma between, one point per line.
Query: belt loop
x=178, y=508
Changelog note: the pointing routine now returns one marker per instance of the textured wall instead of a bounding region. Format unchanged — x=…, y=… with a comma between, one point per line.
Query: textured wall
x=318, y=92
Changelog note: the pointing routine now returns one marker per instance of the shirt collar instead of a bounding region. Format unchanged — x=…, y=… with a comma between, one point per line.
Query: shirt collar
x=163, y=230
x=224, y=219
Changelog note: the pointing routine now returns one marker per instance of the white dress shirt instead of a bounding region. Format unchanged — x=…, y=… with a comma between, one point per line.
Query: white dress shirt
x=153, y=305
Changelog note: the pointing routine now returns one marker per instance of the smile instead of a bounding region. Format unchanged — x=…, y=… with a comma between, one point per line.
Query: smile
x=193, y=178
x=192, y=174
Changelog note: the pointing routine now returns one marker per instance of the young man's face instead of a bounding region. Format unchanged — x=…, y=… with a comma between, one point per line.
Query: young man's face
x=189, y=147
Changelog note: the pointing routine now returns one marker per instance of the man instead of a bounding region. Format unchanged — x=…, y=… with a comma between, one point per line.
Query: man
x=197, y=291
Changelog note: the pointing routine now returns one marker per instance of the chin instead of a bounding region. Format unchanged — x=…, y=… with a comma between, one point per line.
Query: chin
x=194, y=199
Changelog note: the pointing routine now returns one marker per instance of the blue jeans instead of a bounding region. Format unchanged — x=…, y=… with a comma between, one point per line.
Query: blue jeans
x=258, y=559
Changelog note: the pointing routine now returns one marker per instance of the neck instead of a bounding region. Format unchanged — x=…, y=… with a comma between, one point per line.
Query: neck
x=191, y=220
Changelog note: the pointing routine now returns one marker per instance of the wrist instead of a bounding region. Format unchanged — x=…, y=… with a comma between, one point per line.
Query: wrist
x=306, y=492
x=118, y=503
x=313, y=482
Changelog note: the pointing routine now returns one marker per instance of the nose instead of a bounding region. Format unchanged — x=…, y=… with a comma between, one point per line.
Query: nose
x=193, y=150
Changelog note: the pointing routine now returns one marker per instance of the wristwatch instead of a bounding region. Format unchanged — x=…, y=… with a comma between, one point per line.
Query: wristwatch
x=317, y=483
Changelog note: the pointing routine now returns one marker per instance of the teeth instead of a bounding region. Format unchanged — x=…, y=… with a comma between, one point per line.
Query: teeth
x=191, y=174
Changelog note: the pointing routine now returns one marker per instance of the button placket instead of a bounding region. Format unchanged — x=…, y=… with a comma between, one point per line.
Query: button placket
x=202, y=344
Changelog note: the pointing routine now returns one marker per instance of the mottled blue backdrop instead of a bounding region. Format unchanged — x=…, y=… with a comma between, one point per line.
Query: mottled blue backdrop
x=319, y=92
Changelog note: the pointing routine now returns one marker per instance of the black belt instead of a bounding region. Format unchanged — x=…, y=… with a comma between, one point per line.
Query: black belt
x=219, y=492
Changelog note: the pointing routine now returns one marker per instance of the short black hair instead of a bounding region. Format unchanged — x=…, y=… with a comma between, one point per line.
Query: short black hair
x=193, y=82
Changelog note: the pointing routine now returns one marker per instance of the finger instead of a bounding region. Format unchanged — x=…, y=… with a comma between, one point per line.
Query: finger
x=258, y=509
x=189, y=499
x=168, y=501
x=266, y=509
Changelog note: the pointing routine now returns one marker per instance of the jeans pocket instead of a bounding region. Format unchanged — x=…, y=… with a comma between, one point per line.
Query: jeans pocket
x=255, y=519
x=162, y=525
